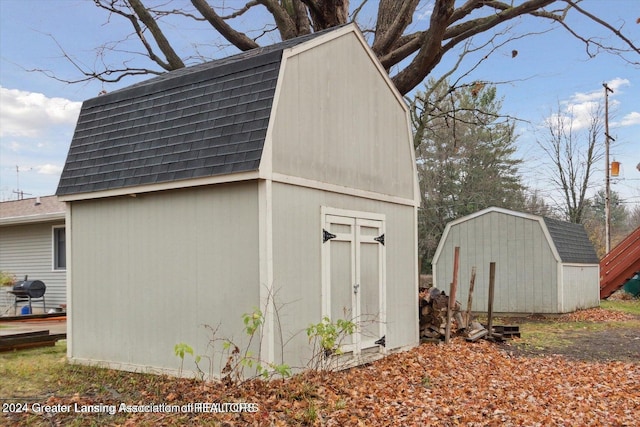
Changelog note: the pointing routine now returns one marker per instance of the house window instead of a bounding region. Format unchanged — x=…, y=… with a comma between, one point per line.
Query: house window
x=59, y=249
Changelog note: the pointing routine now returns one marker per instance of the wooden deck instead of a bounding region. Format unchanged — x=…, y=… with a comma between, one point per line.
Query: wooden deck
x=31, y=331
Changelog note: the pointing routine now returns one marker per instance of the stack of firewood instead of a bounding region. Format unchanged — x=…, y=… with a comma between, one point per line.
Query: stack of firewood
x=433, y=303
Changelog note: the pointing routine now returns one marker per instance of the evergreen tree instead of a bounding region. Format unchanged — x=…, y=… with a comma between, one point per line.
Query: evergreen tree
x=465, y=157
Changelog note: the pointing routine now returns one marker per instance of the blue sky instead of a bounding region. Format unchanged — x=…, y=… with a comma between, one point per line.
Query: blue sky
x=551, y=71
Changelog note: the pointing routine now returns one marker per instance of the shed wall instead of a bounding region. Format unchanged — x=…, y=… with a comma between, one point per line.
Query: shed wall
x=526, y=270
x=297, y=274
x=343, y=125
x=28, y=250
x=580, y=287
x=151, y=271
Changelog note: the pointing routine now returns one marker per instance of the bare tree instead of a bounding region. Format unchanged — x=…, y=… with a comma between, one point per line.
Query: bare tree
x=634, y=218
x=408, y=50
x=536, y=204
x=571, y=155
x=594, y=221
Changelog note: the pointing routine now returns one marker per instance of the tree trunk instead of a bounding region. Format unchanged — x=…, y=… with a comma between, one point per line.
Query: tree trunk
x=394, y=17
x=327, y=13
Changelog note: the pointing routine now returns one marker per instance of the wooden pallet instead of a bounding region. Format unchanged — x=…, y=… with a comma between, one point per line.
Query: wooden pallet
x=507, y=331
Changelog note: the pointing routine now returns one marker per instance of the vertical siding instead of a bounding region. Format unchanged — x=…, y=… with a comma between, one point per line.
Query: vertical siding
x=526, y=271
x=28, y=250
x=151, y=271
x=297, y=265
x=581, y=287
x=343, y=125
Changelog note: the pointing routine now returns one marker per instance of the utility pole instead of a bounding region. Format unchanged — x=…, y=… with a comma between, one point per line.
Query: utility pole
x=607, y=179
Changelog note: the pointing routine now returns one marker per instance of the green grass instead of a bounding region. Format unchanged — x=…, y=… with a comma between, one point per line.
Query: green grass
x=545, y=334
x=627, y=306
x=27, y=373
x=33, y=373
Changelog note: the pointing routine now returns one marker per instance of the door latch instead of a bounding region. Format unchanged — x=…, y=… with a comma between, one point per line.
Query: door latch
x=355, y=288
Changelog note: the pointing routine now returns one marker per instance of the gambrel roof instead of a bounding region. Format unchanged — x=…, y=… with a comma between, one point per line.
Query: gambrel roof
x=200, y=121
x=569, y=242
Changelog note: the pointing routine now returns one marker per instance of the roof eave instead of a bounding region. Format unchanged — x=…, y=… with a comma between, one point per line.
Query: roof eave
x=32, y=219
x=169, y=185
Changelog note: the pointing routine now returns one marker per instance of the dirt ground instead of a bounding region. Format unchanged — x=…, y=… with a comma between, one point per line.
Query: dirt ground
x=616, y=341
x=620, y=343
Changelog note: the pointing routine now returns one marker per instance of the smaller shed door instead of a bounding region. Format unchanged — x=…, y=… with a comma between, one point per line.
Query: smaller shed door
x=354, y=276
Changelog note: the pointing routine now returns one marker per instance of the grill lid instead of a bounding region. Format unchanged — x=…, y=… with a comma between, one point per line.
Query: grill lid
x=30, y=288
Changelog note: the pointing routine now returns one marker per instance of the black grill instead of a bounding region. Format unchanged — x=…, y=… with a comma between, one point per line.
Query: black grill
x=29, y=288
x=26, y=291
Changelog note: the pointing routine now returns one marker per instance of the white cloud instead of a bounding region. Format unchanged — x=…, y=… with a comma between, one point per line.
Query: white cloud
x=30, y=114
x=35, y=132
x=48, y=169
x=617, y=83
x=598, y=95
x=580, y=98
x=583, y=114
x=581, y=106
x=14, y=146
x=630, y=119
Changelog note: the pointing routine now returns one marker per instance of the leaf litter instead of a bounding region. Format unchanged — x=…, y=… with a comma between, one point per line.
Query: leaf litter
x=460, y=384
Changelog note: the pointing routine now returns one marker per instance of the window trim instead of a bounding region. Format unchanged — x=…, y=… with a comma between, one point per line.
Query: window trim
x=55, y=250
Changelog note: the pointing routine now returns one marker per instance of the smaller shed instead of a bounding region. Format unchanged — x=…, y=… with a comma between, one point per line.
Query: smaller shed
x=543, y=265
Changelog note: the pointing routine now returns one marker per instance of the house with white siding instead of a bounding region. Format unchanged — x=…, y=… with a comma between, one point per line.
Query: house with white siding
x=542, y=265
x=281, y=179
x=32, y=243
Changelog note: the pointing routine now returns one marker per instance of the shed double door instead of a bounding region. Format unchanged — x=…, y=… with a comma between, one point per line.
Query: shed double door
x=354, y=276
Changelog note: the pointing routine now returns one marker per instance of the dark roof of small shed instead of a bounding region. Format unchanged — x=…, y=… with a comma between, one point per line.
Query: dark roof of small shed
x=572, y=242
x=200, y=121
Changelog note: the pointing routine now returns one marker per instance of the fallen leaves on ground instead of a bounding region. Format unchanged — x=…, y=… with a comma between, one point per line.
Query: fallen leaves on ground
x=596, y=314
x=470, y=384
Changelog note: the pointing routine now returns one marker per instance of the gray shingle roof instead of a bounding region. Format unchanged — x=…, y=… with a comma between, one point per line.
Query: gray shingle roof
x=28, y=210
x=572, y=242
x=206, y=120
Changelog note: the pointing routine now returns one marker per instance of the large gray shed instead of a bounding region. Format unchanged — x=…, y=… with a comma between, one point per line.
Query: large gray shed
x=542, y=265
x=282, y=178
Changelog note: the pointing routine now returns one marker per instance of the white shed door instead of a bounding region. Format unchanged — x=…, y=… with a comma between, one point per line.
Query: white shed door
x=354, y=276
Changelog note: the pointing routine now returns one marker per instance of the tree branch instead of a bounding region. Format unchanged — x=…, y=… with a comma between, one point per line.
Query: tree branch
x=284, y=22
x=605, y=24
x=238, y=39
x=394, y=17
x=143, y=14
x=103, y=76
x=240, y=12
x=430, y=51
x=422, y=48
x=110, y=6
